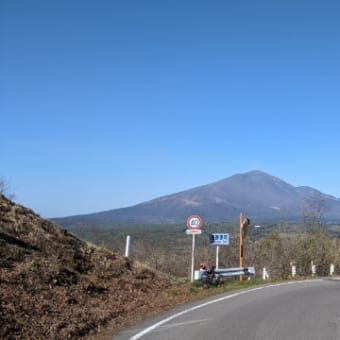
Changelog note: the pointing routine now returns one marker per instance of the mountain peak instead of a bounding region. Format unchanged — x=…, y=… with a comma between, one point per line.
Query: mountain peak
x=254, y=193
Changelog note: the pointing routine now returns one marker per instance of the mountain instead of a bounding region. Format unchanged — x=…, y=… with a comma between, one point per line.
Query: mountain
x=257, y=194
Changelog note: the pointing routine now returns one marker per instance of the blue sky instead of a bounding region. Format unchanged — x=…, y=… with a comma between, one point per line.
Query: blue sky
x=106, y=104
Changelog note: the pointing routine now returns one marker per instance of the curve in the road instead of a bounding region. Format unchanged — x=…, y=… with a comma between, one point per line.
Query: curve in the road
x=258, y=305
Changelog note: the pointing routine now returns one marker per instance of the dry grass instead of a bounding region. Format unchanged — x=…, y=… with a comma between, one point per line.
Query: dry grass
x=55, y=286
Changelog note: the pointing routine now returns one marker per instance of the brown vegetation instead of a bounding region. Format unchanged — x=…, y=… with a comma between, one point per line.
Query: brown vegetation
x=276, y=247
x=55, y=286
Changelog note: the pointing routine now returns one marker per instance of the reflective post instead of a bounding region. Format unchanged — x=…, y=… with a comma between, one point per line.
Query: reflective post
x=127, y=246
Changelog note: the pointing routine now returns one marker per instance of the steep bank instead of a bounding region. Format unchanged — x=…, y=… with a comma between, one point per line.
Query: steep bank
x=55, y=286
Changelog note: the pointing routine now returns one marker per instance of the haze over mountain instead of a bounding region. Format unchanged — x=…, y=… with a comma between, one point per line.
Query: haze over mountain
x=257, y=194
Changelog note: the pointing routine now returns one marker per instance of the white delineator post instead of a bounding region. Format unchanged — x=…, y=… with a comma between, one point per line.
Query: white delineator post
x=293, y=271
x=265, y=275
x=331, y=269
x=127, y=246
x=313, y=269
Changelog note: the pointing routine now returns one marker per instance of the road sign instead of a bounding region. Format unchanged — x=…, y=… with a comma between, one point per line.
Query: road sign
x=193, y=231
x=219, y=239
x=194, y=222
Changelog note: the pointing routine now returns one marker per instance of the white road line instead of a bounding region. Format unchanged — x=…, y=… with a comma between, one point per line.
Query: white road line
x=184, y=323
x=162, y=322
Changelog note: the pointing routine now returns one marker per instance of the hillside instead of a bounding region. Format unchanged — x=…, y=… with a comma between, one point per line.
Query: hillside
x=259, y=195
x=55, y=286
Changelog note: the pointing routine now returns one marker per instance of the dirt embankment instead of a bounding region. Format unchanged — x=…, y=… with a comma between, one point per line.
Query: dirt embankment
x=55, y=286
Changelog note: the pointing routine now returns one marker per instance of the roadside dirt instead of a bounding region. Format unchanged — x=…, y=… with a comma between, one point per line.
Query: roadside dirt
x=55, y=286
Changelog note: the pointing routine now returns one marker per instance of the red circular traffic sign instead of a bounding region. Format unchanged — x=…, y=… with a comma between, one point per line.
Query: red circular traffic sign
x=194, y=222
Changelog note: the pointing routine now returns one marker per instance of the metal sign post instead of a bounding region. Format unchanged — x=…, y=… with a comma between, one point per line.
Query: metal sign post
x=218, y=240
x=193, y=233
x=217, y=250
x=192, y=258
x=194, y=224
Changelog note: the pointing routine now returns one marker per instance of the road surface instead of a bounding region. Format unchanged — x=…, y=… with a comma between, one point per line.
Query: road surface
x=307, y=310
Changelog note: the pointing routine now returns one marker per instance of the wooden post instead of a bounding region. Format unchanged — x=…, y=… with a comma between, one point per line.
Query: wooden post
x=241, y=244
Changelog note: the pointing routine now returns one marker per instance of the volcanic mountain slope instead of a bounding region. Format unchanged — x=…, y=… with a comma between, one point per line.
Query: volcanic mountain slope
x=259, y=195
x=55, y=286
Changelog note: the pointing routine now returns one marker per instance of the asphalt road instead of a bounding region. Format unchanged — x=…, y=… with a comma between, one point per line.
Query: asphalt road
x=305, y=310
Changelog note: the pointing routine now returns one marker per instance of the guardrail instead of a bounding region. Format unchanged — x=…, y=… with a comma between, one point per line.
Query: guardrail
x=213, y=276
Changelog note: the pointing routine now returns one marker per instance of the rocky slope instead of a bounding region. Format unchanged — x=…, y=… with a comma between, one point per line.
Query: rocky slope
x=55, y=286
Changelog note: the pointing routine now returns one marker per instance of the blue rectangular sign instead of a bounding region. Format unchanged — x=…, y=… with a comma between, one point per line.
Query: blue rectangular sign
x=219, y=239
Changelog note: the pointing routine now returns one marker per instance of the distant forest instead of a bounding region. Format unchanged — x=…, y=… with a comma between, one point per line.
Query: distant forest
x=275, y=246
